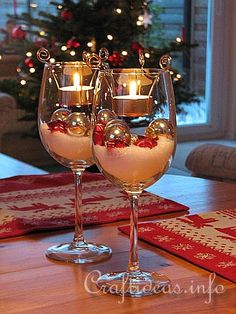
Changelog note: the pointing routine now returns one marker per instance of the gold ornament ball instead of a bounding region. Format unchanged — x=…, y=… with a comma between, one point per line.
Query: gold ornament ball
x=60, y=114
x=160, y=127
x=77, y=124
x=105, y=115
x=134, y=138
x=117, y=131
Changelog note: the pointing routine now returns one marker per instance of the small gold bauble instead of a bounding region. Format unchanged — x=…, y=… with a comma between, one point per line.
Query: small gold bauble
x=117, y=132
x=105, y=115
x=78, y=124
x=117, y=121
x=134, y=138
x=60, y=114
x=160, y=127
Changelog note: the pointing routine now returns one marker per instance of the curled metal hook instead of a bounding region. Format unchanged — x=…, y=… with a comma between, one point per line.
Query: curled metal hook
x=85, y=55
x=141, y=59
x=43, y=55
x=165, y=62
x=96, y=61
x=103, y=54
x=93, y=60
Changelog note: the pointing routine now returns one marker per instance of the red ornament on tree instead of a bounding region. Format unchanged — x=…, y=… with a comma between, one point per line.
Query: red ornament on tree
x=116, y=58
x=29, y=62
x=66, y=15
x=136, y=47
x=18, y=33
x=72, y=43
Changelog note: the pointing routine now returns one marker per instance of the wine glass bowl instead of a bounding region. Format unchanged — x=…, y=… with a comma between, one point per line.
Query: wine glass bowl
x=65, y=113
x=134, y=140
x=134, y=156
x=65, y=128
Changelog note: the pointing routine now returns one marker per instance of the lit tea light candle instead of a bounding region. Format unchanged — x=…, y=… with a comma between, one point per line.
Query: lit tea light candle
x=132, y=105
x=76, y=94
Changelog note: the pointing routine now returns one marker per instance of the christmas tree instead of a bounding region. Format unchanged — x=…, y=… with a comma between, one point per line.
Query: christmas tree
x=124, y=27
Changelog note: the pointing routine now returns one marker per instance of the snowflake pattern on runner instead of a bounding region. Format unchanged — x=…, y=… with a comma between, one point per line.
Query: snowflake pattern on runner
x=29, y=203
x=207, y=229
x=226, y=264
x=145, y=229
x=204, y=256
x=207, y=240
x=182, y=247
x=163, y=238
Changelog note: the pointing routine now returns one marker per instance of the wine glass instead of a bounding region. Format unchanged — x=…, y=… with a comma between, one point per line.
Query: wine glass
x=64, y=122
x=134, y=140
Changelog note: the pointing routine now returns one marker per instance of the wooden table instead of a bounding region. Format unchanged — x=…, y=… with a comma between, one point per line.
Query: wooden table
x=31, y=283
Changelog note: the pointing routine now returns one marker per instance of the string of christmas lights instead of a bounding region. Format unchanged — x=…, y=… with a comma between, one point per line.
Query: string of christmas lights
x=123, y=27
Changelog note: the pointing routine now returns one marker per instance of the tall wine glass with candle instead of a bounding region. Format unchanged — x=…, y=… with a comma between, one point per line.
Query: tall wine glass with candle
x=64, y=122
x=134, y=157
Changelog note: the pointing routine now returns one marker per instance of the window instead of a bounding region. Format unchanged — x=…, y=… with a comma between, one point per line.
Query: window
x=17, y=8
x=215, y=83
x=186, y=20
x=205, y=22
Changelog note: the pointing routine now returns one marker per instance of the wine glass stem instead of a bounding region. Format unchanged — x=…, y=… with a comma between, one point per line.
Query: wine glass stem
x=78, y=234
x=133, y=253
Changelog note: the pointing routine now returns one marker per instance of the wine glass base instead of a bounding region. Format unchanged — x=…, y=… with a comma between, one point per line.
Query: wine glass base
x=133, y=284
x=79, y=253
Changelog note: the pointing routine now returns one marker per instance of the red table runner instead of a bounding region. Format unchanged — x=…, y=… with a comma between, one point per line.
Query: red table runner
x=41, y=202
x=207, y=240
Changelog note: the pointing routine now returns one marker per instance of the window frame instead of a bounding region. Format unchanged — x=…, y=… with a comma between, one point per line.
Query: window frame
x=216, y=77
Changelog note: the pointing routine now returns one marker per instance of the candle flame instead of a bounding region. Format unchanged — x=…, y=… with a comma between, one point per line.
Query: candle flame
x=76, y=81
x=132, y=88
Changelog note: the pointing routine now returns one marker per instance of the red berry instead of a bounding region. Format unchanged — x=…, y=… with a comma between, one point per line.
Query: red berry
x=116, y=58
x=143, y=141
x=72, y=43
x=66, y=15
x=29, y=62
x=98, y=134
x=57, y=126
x=116, y=144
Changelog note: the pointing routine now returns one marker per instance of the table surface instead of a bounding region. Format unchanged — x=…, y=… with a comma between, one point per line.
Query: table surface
x=31, y=283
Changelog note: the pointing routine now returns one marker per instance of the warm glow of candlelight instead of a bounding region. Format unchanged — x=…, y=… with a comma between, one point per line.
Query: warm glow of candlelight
x=132, y=88
x=77, y=93
x=76, y=81
x=132, y=104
